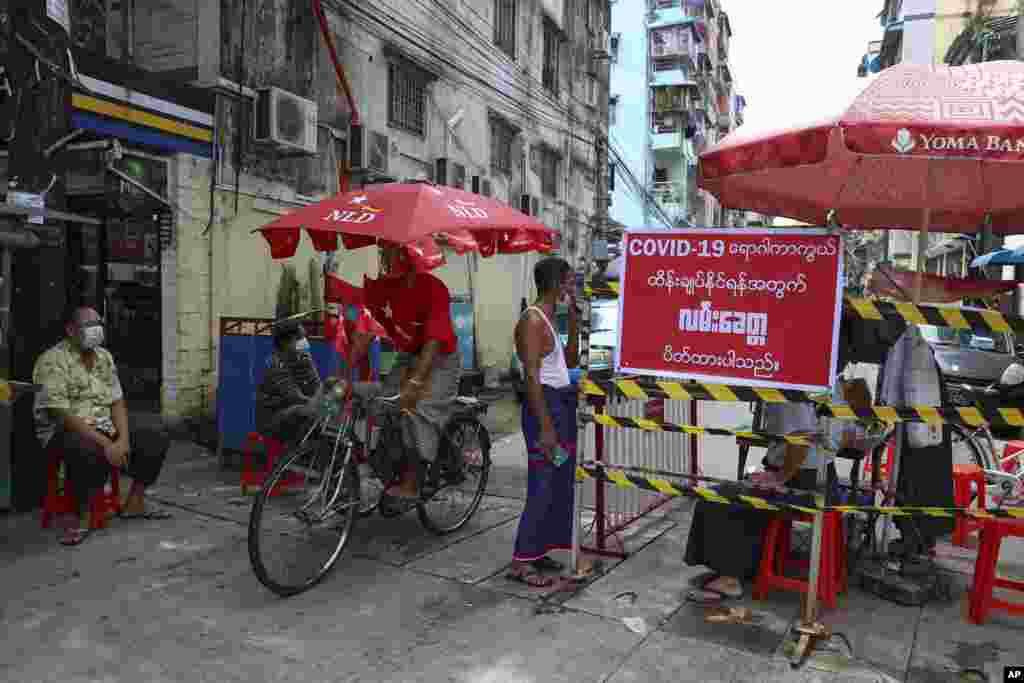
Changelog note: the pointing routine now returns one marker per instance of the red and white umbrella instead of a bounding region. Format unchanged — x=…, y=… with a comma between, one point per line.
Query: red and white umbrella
x=415, y=215
x=922, y=147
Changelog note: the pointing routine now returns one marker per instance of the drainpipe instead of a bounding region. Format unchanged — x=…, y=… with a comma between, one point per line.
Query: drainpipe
x=343, y=85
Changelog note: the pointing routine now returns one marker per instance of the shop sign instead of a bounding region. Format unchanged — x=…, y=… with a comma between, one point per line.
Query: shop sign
x=732, y=306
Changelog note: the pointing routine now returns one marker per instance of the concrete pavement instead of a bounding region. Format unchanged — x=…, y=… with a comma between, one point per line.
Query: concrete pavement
x=177, y=600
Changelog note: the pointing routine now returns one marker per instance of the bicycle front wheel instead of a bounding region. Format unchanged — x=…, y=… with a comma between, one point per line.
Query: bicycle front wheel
x=968, y=449
x=302, y=519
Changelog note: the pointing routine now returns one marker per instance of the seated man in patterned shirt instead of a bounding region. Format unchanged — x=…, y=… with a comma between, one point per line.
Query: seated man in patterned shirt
x=81, y=414
x=287, y=395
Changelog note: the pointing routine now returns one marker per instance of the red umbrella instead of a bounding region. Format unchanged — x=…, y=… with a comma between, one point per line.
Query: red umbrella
x=923, y=147
x=417, y=215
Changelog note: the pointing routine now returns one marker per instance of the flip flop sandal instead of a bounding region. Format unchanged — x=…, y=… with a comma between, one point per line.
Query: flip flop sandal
x=703, y=578
x=731, y=595
x=75, y=536
x=546, y=564
x=531, y=579
x=700, y=596
x=148, y=515
x=731, y=615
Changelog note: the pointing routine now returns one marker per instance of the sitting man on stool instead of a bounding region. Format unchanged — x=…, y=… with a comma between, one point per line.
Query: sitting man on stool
x=80, y=413
x=287, y=395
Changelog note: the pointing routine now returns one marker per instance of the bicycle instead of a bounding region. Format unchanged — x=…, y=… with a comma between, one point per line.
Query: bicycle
x=981, y=447
x=322, y=475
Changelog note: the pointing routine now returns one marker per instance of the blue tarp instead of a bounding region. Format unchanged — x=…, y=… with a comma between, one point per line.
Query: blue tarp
x=242, y=359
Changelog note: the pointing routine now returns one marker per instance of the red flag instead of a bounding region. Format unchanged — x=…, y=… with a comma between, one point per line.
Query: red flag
x=367, y=324
x=334, y=330
x=337, y=291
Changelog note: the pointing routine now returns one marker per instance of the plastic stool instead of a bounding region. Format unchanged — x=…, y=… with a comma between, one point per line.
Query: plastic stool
x=993, y=531
x=58, y=503
x=832, y=577
x=1012, y=465
x=963, y=477
x=255, y=478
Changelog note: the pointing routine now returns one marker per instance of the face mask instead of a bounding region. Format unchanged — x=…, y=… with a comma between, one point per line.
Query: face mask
x=91, y=337
x=302, y=345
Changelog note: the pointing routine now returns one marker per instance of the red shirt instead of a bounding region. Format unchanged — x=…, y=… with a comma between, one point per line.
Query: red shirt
x=413, y=315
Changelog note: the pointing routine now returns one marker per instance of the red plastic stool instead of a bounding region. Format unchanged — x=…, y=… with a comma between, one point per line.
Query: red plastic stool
x=1010, y=464
x=62, y=502
x=832, y=577
x=993, y=531
x=963, y=477
x=255, y=478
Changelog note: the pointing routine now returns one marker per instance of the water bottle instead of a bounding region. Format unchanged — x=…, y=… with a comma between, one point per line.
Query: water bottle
x=561, y=455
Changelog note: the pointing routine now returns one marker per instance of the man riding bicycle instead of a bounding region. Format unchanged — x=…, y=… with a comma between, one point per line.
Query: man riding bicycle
x=415, y=309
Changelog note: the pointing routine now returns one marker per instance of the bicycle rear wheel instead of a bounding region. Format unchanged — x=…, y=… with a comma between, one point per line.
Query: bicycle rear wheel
x=302, y=519
x=461, y=470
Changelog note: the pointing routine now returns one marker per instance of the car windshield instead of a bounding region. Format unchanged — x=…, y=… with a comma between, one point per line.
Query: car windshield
x=964, y=339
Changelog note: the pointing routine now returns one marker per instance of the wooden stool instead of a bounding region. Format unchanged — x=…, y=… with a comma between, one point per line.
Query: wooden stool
x=63, y=502
x=985, y=578
x=832, y=577
x=963, y=477
x=255, y=478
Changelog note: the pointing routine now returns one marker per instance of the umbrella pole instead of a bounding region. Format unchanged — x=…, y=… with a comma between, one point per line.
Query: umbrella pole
x=922, y=249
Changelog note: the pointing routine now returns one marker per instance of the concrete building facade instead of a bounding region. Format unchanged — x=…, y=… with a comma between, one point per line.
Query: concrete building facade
x=217, y=117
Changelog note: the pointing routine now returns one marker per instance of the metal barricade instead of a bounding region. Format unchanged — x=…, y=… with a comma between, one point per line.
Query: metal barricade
x=615, y=508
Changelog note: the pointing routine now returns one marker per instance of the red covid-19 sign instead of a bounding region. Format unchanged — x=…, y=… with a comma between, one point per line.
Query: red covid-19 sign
x=732, y=306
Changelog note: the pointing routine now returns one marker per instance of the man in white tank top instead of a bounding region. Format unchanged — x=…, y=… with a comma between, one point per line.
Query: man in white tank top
x=549, y=425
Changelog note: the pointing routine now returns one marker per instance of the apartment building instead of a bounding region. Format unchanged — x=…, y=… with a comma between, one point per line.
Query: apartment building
x=672, y=96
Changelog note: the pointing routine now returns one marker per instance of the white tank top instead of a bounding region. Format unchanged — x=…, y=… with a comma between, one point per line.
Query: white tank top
x=554, y=372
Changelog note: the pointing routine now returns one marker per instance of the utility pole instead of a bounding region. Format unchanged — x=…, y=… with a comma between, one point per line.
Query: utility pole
x=35, y=121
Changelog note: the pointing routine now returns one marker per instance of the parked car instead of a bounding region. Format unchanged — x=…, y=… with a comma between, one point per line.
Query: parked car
x=604, y=326
x=966, y=357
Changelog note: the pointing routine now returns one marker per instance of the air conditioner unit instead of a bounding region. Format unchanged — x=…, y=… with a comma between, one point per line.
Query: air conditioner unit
x=284, y=119
x=368, y=150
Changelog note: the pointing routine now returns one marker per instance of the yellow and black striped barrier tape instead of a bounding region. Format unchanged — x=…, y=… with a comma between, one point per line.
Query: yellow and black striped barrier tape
x=645, y=389
x=648, y=389
x=876, y=309
x=670, y=488
x=617, y=421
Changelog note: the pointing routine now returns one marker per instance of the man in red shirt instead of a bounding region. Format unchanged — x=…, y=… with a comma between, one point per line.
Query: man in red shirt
x=415, y=309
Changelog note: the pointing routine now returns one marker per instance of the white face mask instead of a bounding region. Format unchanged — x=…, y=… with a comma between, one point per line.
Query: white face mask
x=91, y=337
x=302, y=345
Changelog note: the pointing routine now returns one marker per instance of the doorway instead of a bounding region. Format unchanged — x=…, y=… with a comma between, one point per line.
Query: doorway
x=116, y=268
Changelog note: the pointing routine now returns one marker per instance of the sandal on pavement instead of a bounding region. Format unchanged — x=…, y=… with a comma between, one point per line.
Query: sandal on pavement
x=731, y=615
x=546, y=564
x=700, y=580
x=731, y=594
x=704, y=597
x=74, y=536
x=149, y=515
x=533, y=579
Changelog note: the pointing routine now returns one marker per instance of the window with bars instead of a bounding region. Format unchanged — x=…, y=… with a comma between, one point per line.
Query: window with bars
x=547, y=163
x=407, y=98
x=552, y=45
x=506, y=15
x=502, y=137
